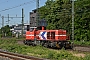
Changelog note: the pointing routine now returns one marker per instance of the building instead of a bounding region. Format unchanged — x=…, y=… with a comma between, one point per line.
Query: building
x=33, y=18
x=18, y=29
x=34, y=23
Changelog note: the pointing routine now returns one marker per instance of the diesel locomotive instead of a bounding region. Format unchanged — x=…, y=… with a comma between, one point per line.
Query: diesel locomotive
x=47, y=38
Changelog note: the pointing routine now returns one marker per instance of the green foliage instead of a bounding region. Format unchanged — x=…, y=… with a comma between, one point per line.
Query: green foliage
x=82, y=42
x=82, y=17
x=5, y=31
x=87, y=57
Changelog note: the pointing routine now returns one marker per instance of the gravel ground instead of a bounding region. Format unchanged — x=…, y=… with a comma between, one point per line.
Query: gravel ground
x=4, y=58
x=20, y=42
x=84, y=49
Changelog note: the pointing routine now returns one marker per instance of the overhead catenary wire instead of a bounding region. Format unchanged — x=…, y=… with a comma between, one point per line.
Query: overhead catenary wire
x=4, y=2
x=17, y=6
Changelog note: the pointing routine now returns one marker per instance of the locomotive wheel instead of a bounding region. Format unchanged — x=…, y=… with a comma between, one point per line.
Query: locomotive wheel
x=42, y=43
x=59, y=46
x=34, y=44
x=68, y=45
x=46, y=45
x=25, y=42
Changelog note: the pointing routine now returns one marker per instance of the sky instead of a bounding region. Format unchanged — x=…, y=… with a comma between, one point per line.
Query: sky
x=17, y=11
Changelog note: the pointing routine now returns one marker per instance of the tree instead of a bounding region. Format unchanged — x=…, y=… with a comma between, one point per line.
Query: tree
x=6, y=30
x=82, y=17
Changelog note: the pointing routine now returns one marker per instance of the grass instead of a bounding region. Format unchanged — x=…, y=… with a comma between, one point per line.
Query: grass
x=85, y=43
x=39, y=51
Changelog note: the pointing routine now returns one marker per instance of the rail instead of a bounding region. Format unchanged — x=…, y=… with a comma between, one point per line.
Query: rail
x=16, y=56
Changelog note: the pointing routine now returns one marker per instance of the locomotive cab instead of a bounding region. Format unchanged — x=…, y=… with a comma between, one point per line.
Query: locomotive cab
x=42, y=24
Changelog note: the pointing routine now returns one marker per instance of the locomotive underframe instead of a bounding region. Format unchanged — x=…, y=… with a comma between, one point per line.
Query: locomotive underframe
x=48, y=43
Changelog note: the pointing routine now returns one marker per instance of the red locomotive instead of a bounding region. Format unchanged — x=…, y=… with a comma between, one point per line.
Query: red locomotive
x=47, y=38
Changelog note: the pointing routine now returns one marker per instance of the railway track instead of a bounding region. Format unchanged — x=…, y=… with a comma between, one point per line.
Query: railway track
x=15, y=56
x=81, y=48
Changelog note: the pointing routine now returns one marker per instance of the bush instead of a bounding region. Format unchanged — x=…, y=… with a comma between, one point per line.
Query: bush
x=87, y=57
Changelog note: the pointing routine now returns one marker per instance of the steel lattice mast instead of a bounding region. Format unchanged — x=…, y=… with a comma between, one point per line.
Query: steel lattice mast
x=37, y=12
x=73, y=21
